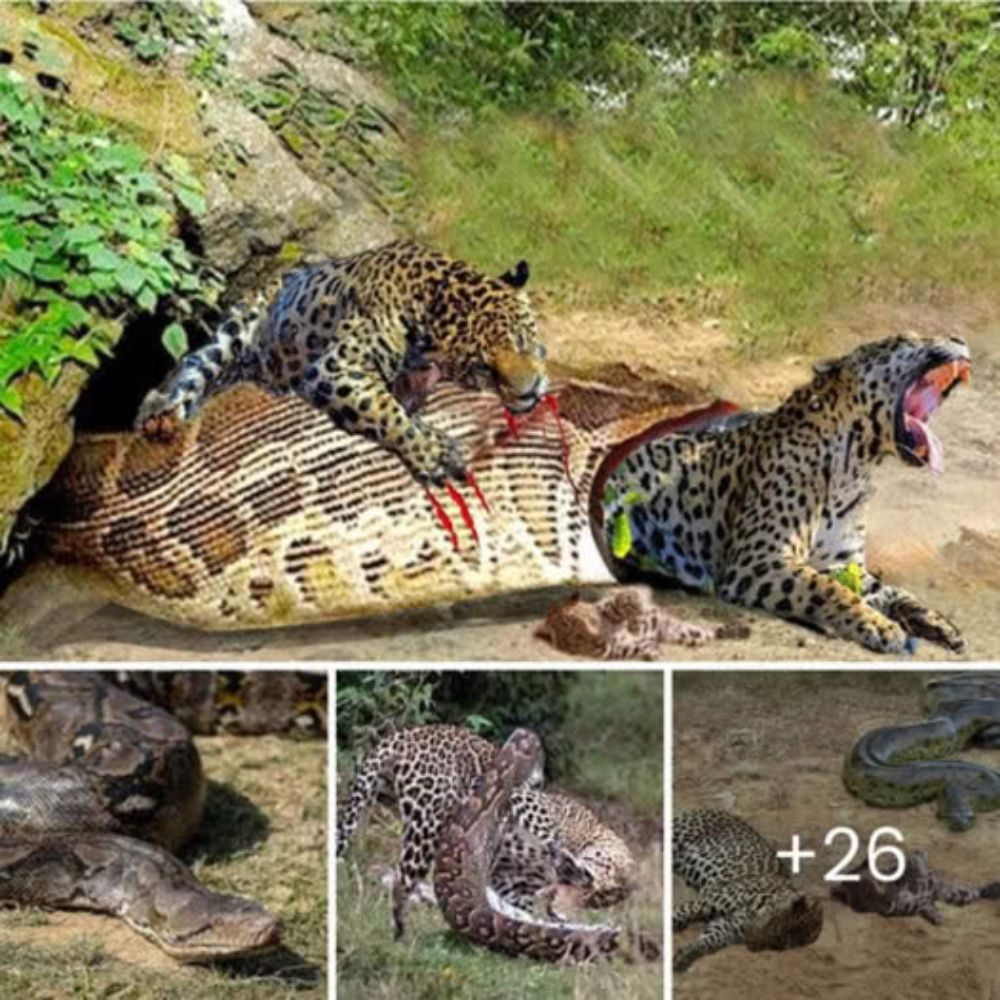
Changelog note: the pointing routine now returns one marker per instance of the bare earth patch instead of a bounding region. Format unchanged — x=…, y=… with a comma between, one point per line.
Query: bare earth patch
x=770, y=747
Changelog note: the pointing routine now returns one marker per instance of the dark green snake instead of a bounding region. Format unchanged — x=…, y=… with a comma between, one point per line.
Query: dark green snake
x=905, y=765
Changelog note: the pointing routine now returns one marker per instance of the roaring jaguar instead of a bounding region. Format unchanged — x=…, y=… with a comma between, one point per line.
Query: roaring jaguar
x=364, y=338
x=551, y=841
x=744, y=892
x=767, y=509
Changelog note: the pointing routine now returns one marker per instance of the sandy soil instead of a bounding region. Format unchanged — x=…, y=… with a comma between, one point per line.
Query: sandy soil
x=938, y=535
x=769, y=747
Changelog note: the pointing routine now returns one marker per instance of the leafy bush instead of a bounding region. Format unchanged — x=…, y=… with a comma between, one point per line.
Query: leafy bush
x=151, y=30
x=917, y=62
x=493, y=703
x=86, y=237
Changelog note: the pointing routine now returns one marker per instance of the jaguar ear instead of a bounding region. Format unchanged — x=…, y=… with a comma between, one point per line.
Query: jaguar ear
x=823, y=367
x=518, y=276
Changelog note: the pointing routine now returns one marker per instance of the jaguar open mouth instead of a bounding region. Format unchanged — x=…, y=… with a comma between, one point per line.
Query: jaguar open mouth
x=916, y=443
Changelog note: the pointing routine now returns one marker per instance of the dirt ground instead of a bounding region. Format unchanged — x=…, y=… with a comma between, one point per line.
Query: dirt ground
x=938, y=535
x=769, y=747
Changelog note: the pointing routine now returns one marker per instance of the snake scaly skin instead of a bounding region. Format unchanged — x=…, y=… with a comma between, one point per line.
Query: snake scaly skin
x=462, y=874
x=110, y=789
x=904, y=765
x=261, y=513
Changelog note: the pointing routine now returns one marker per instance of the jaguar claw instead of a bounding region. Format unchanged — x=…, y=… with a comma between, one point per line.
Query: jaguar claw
x=443, y=519
x=463, y=509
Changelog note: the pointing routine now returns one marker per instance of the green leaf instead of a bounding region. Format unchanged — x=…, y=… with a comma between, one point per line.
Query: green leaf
x=79, y=286
x=50, y=272
x=130, y=277
x=12, y=204
x=79, y=350
x=103, y=259
x=175, y=340
x=10, y=400
x=87, y=233
x=621, y=536
x=147, y=299
x=19, y=260
x=191, y=200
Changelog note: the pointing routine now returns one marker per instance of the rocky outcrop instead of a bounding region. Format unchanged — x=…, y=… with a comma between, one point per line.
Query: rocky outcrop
x=298, y=154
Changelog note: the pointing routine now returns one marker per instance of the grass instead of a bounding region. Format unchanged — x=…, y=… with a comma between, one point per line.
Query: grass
x=775, y=202
x=616, y=726
x=264, y=836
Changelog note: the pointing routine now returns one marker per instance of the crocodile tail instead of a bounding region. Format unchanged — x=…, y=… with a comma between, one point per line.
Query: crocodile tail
x=375, y=768
x=230, y=356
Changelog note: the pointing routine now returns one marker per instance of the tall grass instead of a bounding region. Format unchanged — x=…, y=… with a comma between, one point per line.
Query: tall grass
x=779, y=196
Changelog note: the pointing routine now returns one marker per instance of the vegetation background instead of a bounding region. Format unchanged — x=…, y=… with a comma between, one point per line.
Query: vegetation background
x=762, y=162
x=766, y=162
x=609, y=728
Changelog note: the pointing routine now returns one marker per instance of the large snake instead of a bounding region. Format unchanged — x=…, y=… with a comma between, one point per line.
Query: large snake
x=905, y=765
x=261, y=513
x=111, y=787
x=466, y=847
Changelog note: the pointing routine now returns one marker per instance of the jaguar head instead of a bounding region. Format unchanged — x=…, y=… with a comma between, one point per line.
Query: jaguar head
x=789, y=923
x=489, y=339
x=899, y=382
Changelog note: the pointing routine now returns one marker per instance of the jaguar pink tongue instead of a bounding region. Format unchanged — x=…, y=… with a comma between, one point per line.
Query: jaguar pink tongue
x=925, y=443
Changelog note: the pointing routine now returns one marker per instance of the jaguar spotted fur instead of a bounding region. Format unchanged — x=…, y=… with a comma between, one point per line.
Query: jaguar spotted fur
x=745, y=895
x=550, y=838
x=364, y=338
x=469, y=841
x=767, y=510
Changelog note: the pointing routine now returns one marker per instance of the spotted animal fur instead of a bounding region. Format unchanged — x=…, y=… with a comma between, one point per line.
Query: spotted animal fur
x=362, y=338
x=745, y=895
x=429, y=770
x=768, y=509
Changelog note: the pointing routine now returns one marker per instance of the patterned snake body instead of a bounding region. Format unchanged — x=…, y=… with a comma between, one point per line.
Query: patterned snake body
x=462, y=869
x=905, y=765
x=112, y=788
x=261, y=513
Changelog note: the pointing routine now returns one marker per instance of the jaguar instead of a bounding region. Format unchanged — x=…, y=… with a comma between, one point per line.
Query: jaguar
x=767, y=509
x=365, y=338
x=551, y=839
x=745, y=894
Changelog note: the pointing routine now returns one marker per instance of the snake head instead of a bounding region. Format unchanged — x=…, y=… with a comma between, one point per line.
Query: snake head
x=208, y=926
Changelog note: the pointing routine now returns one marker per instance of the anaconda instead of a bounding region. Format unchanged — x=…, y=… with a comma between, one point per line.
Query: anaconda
x=260, y=514
x=112, y=786
x=462, y=875
x=905, y=765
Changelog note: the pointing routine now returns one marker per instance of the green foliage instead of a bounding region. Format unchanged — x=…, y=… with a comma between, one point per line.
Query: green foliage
x=151, y=30
x=919, y=61
x=777, y=198
x=493, y=703
x=371, y=703
x=86, y=237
